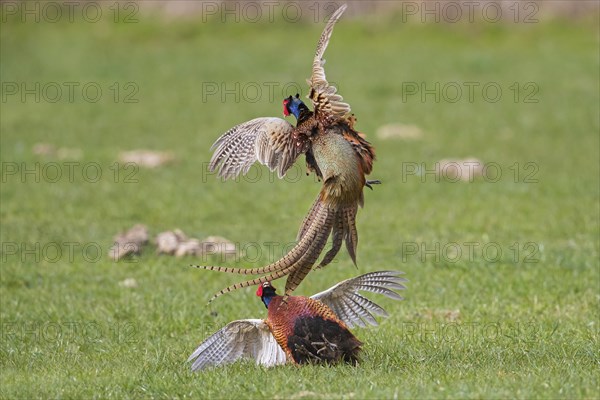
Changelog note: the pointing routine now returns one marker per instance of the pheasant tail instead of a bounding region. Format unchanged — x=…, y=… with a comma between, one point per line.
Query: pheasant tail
x=298, y=262
x=344, y=229
x=319, y=231
x=317, y=213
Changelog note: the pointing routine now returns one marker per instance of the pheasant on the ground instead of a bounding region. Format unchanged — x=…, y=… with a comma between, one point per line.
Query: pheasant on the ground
x=335, y=152
x=303, y=329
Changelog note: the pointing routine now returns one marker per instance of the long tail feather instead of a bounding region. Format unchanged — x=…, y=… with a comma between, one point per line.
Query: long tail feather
x=352, y=234
x=321, y=221
x=290, y=258
x=252, y=282
x=306, y=254
x=309, y=218
x=337, y=240
x=322, y=228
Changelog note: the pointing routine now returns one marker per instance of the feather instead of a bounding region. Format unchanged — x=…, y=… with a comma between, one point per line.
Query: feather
x=351, y=307
x=338, y=233
x=248, y=338
x=267, y=140
x=323, y=95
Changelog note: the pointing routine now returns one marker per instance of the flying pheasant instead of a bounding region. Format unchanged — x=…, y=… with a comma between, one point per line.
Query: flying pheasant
x=304, y=329
x=335, y=152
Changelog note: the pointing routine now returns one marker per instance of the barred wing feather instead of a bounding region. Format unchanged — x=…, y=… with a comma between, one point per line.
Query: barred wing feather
x=355, y=309
x=267, y=140
x=246, y=338
x=324, y=96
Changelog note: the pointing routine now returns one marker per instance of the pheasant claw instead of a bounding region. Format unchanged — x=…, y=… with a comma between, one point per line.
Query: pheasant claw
x=372, y=182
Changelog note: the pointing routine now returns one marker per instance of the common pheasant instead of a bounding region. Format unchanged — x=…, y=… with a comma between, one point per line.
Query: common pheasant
x=335, y=152
x=303, y=329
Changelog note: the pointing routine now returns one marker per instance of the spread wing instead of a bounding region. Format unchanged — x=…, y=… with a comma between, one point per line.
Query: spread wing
x=268, y=140
x=323, y=95
x=353, y=308
x=245, y=338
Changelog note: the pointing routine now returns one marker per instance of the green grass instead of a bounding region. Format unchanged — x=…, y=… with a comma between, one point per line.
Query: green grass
x=525, y=327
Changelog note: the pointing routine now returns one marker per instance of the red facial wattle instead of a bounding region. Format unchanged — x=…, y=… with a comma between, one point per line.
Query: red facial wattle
x=259, y=291
x=285, y=109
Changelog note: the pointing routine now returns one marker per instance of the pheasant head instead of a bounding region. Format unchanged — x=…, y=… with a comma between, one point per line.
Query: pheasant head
x=266, y=292
x=293, y=105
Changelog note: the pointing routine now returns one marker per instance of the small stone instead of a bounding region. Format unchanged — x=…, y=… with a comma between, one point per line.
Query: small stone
x=465, y=170
x=399, y=131
x=218, y=245
x=129, y=283
x=43, y=149
x=168, y=242
x=146, y=158
x=452, y=315
x=130, y=242
x=66, y=153
x=190, y=247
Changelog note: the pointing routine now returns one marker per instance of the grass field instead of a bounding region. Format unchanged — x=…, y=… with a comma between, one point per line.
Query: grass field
x=503, y=298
